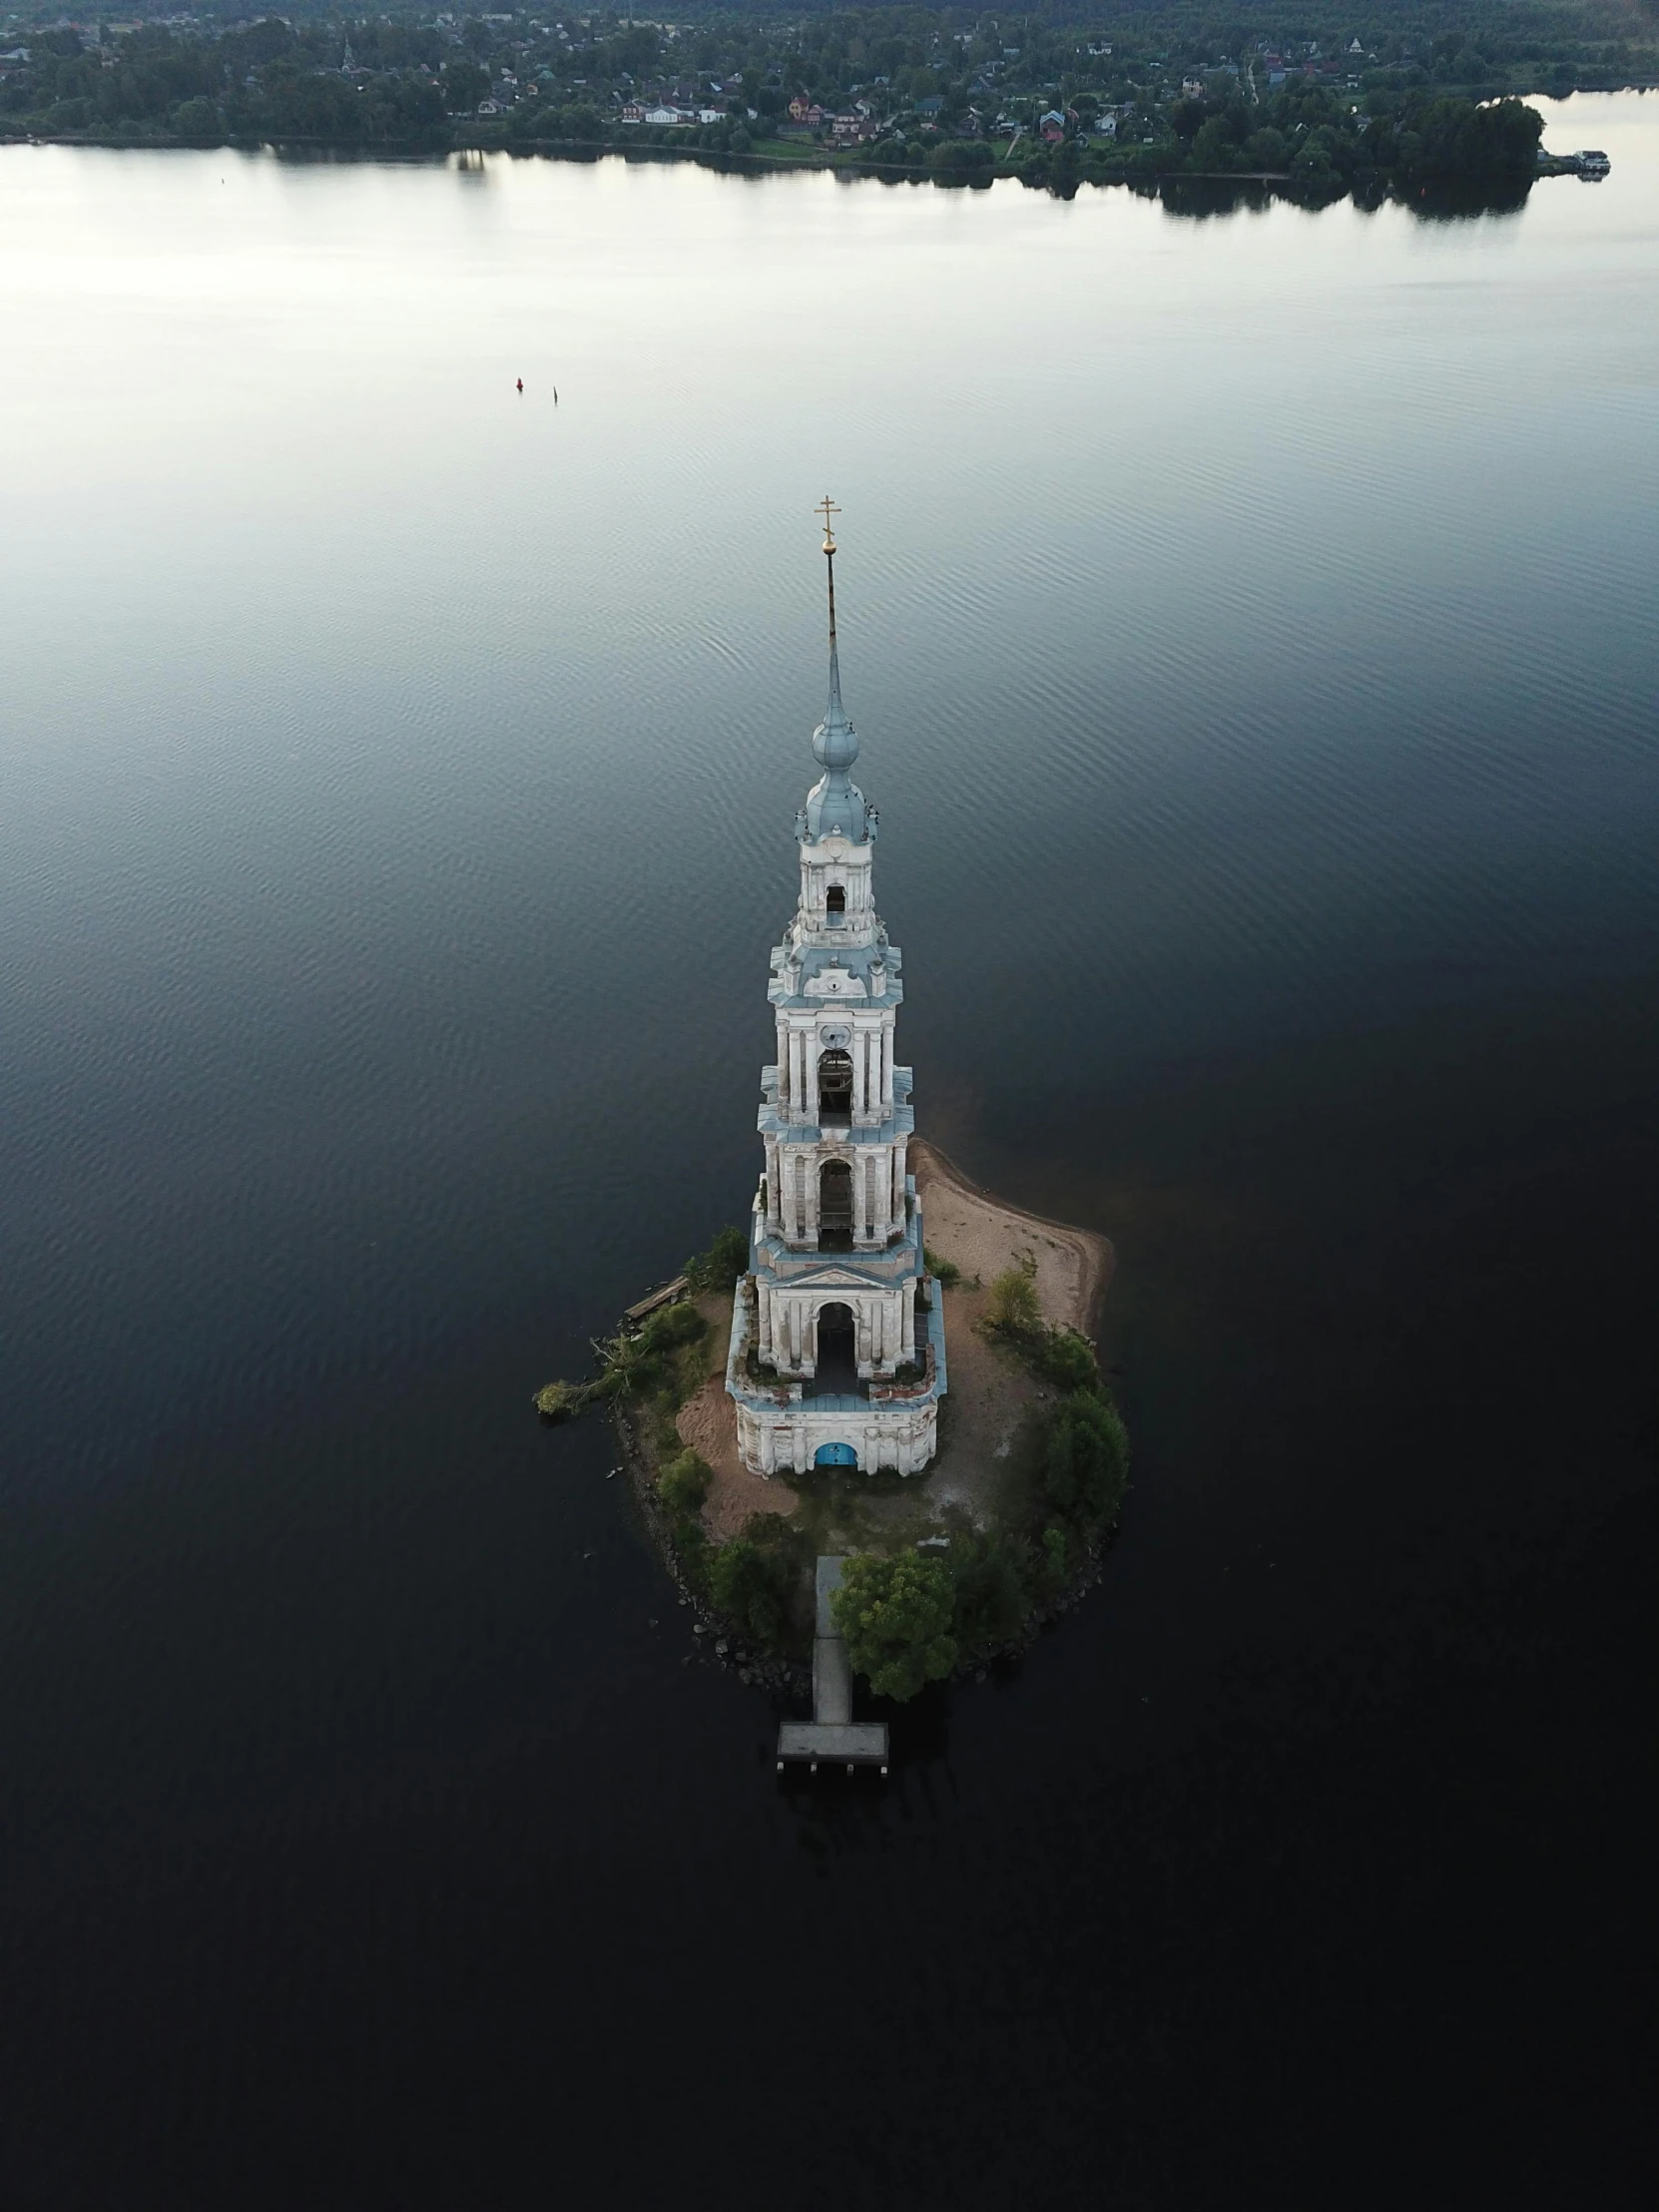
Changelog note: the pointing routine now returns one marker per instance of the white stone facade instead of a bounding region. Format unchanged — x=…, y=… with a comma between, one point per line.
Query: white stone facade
x=837, y=1340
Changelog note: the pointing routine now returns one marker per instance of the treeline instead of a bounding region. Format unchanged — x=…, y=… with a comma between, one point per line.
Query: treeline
x=1424, y=110
x=262, y=82
x=1320, y=142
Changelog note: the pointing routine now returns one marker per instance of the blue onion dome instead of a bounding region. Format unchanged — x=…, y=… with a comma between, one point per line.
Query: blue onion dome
x=834, y=741
x=836, y=808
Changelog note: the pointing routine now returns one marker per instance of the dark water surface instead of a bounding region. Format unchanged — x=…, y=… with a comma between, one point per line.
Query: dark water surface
x=1250, y=628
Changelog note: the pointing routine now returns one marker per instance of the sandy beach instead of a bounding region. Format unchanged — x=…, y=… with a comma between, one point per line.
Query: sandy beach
x=989, y=1387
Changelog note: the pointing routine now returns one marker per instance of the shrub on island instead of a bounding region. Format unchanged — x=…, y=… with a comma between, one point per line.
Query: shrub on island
x=1012, y=1309
x=684, y=1485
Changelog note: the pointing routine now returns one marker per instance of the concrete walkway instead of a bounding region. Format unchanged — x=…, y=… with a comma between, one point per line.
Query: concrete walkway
x=832, y=1734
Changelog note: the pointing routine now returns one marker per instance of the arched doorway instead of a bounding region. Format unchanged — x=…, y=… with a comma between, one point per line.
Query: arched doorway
x=834, y=1206
x=835, y=1455
x=834, y=1086
x=838, y=1352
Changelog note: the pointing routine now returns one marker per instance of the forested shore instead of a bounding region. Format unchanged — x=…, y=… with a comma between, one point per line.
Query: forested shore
x=1424, y=102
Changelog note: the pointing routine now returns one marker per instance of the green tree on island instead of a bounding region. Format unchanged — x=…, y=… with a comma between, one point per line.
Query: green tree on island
x=1085, y=1467
x=744, y=1585
x=897, y=1615
x=719, y=1268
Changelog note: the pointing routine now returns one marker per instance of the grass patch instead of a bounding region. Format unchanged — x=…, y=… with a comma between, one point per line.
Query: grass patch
x=1012, y=1315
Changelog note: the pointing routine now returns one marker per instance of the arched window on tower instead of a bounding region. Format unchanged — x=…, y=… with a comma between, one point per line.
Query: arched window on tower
x=834, y=1086
x=834, y=1206
x=835, y=901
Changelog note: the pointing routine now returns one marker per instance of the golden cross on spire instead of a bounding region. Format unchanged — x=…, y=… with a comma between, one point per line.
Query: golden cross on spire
x=827, y=507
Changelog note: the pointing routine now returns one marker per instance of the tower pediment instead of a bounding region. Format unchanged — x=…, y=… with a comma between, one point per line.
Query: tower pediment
x=833, y=1278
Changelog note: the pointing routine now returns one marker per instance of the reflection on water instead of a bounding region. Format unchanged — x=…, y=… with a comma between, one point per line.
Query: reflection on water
x=1247, y=626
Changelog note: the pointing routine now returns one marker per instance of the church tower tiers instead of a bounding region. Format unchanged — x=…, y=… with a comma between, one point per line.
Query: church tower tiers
x=838, y=1332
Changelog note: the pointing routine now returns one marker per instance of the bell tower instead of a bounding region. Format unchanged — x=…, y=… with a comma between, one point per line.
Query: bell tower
x=838, y=1345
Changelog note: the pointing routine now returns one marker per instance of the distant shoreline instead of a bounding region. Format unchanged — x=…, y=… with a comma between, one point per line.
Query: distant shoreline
x=821, y=159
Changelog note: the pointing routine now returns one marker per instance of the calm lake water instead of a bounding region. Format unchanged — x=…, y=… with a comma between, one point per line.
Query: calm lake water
x=1249, y=626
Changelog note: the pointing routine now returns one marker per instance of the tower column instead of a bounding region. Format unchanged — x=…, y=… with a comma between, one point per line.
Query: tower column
x=886, y=1065
x=797, y=1088
x=909, y=1340
x=809, y=1097
x=859, y=1074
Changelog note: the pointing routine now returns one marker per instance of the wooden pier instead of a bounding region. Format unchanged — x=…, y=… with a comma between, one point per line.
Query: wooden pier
x=665, y=1294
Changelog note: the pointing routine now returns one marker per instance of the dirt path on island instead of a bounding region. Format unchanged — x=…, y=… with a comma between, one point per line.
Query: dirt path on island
x=707, y=1421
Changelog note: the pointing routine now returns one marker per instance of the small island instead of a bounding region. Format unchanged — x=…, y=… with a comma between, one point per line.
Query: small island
x=876, y=1415
x=957, y=1567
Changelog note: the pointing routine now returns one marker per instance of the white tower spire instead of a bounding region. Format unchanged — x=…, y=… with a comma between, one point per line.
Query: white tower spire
x=838, y=1342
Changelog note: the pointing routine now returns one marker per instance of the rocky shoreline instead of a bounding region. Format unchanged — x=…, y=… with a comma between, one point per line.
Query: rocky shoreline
x=714, y=1639
x=979, y=1234
x=723, y=1645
